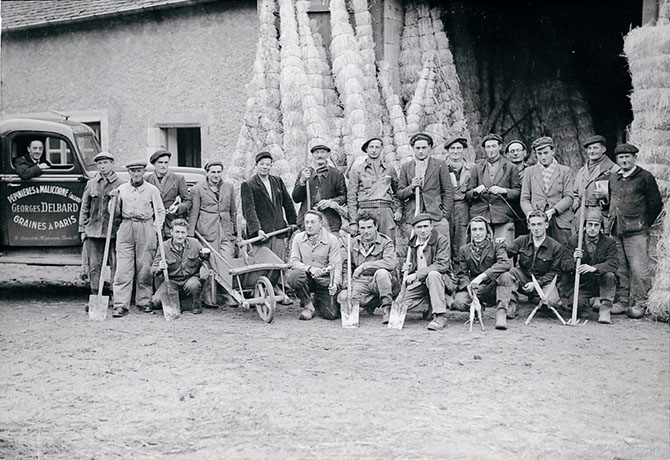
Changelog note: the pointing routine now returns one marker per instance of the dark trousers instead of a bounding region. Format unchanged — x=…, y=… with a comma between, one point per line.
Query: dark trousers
x=188, y=289
x=95, y=249
x=591, y=285
x=304, y=285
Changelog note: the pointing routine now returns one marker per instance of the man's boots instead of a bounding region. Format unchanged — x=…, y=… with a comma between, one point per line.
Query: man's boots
x=387, y=314
x=196, y=308
x=604, y=311
x=501, y=319
x=438, y=323
x=635, y=312
x=308, y=312
x=618, y=309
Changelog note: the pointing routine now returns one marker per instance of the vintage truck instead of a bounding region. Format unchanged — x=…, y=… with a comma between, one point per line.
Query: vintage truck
x=39, y=217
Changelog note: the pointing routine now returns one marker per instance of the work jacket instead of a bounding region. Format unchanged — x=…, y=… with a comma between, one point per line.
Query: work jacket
x=331, y=186
x=543, y=262
x=460, y=184
x=604, y=259
x=437, y=254
x=263, y=212
x=366, y=184
x=181, y=264
x=380, y=255
x=94, y=212
x=437, y=193
x=635, y=202
x=493, y=260
x=559, y=195
x=215, y=219
x=326, y=253
x=496, y=208
x=26, y=168
x=172, y=186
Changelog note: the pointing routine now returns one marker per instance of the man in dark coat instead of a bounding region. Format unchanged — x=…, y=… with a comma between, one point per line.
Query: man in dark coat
x=267, y=206
x=493, y=186
x=174, y=191
x=517, y=153
x=483, y=265
x=635, y=203
x=459, y=173
x=327, y=187
x=32, y=163
x=597, y=269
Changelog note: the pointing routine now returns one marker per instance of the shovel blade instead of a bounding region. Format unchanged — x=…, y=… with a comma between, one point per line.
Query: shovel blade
x=350, y=314
x=397, y=316
x=171, y=305
x=97, y=307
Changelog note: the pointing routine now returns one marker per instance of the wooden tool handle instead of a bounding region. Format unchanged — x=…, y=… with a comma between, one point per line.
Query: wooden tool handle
x=259, y=238
x=162, y=250
x=108, y=239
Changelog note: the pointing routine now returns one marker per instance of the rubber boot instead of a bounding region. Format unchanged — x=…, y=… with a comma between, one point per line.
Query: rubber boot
x=501, y=319
x=604, y=311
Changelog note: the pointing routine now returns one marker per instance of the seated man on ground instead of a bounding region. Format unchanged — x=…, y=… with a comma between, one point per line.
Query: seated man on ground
x=183, y=259
x=483, y=265
x=597, y=270
x=429, y=272
x=538, y=254
x=315, y=257
x=373, y=262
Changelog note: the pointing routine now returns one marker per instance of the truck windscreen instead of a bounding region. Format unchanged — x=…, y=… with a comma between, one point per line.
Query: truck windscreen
x=88, y=145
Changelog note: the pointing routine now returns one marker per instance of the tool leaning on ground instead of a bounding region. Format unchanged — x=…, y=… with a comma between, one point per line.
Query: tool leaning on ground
x=546, y=300
x=399, y=307
x=98, y=304
x=350, y=312
x=169, y=296
x=475, y=309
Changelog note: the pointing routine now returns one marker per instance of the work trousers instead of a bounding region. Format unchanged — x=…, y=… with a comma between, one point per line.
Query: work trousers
x=634, y=271
x=598, y=285
x=430, y=294
x=562, y=235
x=188, y=289
x=504, y=231
x=489, y=293
x=136, y=244
x=520, y=279
x=371, y=291
x=384, y=216
x=459, y=226
x=304, y=285
x=95, y=250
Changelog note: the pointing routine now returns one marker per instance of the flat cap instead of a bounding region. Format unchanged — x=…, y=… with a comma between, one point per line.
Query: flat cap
x=211, y=163
x=262, y=155
x=136, y=164
x=420, y=137
x=625, y=148
x=492, y=137
x=157, y=154
x=593, y=214
x=542, y=142
x=320, y=147
x=515, y=141
x=364, y=147
x=594, y=140
x=460, y=139
x=104, y=155
x=421, y=217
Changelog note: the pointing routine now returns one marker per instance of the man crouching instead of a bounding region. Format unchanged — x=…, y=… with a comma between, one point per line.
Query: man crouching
x=183, y=260
x=315, y=257
x=373, y=261
x=484, y=266
x=429, y=272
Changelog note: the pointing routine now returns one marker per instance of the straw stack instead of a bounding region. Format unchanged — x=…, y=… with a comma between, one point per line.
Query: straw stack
x=396, y=115
x=658, y=304
x=349, y=78
x=415, y=108
x=410, y=59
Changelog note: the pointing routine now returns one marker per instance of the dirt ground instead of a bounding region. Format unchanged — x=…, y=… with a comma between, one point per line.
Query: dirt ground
x=226, y=385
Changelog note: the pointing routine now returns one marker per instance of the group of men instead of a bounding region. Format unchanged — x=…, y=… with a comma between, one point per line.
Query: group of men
x=464, y=225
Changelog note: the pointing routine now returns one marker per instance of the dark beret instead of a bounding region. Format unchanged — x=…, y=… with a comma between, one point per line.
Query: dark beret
x=515, y=141
x=421, y=217
x=594, y=139
x=320, y=147
x=542, y=142
x=364, y=147
x=136, y=164
x=626, y=148
x=157, y=154
x=103, y=156
x=463, y=141
x=262, y=155
x=492, y=137
x=421, y=137
x=211, y=163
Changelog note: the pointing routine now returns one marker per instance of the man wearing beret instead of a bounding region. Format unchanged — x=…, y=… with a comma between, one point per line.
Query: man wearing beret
x=597, y=269
x=493, y=186
x=267, y=206
x=635, y=203
x=372, y=188
x=429, y=271
x=431, y=177
x=174, y=191
x=94, y=218
x=517, y=154
x=33, y=162
x=548, y=186
x=140, y=207
x=328, y=190
x=459, y=173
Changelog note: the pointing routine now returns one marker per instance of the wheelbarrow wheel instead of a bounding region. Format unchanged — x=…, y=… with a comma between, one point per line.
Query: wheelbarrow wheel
x=265, y=291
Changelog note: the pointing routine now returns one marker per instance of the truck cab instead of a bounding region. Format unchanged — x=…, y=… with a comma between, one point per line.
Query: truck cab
x=39, y=217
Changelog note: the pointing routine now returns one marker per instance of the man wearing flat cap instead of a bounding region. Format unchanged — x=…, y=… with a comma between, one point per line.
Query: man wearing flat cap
x=372, y=188
x=140, y=208
x=493, y=187
x=174, y=191
x=635, y=203
x=267, y=206
x=517, y=154
x=591, y=181
x=430, y=176
x=94, y=219
x=460, y=172
x=429, y=271
x=597, y=268
x=328, y=190
x=548, y=186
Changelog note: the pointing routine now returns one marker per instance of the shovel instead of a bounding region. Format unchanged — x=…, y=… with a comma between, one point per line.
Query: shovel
x=350, y=311
x=169, y=297
x=98, y=304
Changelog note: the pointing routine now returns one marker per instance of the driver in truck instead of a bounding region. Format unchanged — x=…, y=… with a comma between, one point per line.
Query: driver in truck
x=32, y=162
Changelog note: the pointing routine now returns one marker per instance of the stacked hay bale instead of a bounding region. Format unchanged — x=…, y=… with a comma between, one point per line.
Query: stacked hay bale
x=648, y=52
x=396, y=115
x=410, y=59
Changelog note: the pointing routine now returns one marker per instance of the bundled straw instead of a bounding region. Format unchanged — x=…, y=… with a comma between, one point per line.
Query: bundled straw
x=411, y=57
x=415, y=107
x=658, y=304
x=396, y=115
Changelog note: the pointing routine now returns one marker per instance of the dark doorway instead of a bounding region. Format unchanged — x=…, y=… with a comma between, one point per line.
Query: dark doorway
x=188, y=147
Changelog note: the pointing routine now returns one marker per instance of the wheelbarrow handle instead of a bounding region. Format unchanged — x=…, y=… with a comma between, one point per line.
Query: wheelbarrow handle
x=259, y=238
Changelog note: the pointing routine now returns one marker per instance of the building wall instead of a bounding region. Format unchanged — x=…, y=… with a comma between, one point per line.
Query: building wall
x=139, y=73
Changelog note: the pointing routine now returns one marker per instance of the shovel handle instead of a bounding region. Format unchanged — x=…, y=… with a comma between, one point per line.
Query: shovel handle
x=258, y=238
x=108, y=238
x=161, y=248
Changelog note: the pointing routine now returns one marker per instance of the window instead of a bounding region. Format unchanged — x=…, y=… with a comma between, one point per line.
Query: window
x=185, y=144
x=58, y=152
